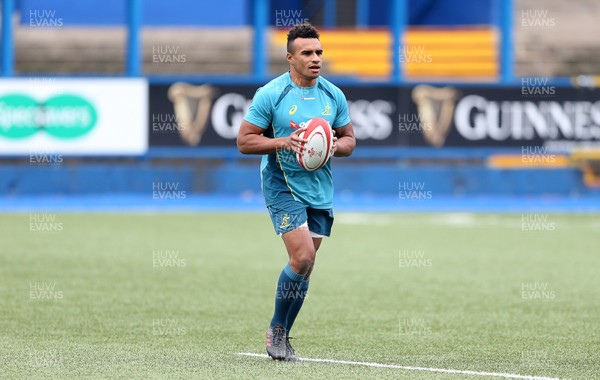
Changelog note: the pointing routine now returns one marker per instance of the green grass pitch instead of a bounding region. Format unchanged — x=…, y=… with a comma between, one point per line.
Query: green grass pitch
x=178, y=295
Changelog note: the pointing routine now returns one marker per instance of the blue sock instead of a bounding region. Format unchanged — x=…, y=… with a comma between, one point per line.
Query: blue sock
x=295, y=308
x=288, y=289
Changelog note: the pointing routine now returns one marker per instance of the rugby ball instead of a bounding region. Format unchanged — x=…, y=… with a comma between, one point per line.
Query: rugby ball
x=317, y=150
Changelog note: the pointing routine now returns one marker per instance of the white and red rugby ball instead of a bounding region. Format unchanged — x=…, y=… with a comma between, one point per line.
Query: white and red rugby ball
x=317, y=150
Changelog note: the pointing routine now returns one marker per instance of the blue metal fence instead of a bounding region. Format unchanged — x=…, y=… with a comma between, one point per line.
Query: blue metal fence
x=398, y=12
x=7, y=38
x=134, y=56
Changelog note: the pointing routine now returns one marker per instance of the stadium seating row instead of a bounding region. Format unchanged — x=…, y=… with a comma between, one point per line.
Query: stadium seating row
x=454, y=52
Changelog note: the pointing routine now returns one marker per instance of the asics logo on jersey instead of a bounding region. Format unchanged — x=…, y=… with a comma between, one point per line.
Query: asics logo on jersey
x=293, y=109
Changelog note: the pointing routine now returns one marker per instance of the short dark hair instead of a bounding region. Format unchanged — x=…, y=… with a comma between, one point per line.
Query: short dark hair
x=301, y=31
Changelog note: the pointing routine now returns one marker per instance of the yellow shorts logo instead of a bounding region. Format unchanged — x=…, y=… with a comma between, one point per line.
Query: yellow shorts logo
x=285, y=222
x=293, y=109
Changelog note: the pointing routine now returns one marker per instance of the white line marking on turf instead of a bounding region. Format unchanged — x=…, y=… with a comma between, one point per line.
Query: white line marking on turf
x=409, y=368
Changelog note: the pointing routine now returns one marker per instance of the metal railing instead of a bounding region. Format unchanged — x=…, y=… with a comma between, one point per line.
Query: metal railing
x=398, y=22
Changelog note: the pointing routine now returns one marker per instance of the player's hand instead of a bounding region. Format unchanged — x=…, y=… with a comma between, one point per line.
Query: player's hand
x=333, y=145
x=294, y=142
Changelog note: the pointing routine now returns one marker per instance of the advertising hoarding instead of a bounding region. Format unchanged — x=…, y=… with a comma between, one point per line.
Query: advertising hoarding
x=73, y=116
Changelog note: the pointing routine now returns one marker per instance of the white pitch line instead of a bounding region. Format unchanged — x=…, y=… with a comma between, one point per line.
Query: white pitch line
x=409, y=368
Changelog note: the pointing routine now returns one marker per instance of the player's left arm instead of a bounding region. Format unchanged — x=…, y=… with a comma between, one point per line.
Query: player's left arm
x=344, y=141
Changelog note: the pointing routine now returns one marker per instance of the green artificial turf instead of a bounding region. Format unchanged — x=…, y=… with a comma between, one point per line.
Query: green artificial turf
x=178, y=295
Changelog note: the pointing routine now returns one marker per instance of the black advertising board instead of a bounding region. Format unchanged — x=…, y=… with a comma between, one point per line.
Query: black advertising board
x=556, y=118
x=422, y=116
x=209, y=115
x=197, y=115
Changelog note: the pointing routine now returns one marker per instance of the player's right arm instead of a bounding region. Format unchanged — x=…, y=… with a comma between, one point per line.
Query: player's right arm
x=250, y=140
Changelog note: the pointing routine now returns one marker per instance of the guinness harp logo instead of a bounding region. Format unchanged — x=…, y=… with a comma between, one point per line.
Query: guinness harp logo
x=192, y=108
x=435, y=107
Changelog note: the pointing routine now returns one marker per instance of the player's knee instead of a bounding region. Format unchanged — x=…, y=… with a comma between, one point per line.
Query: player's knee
x=303, y=260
